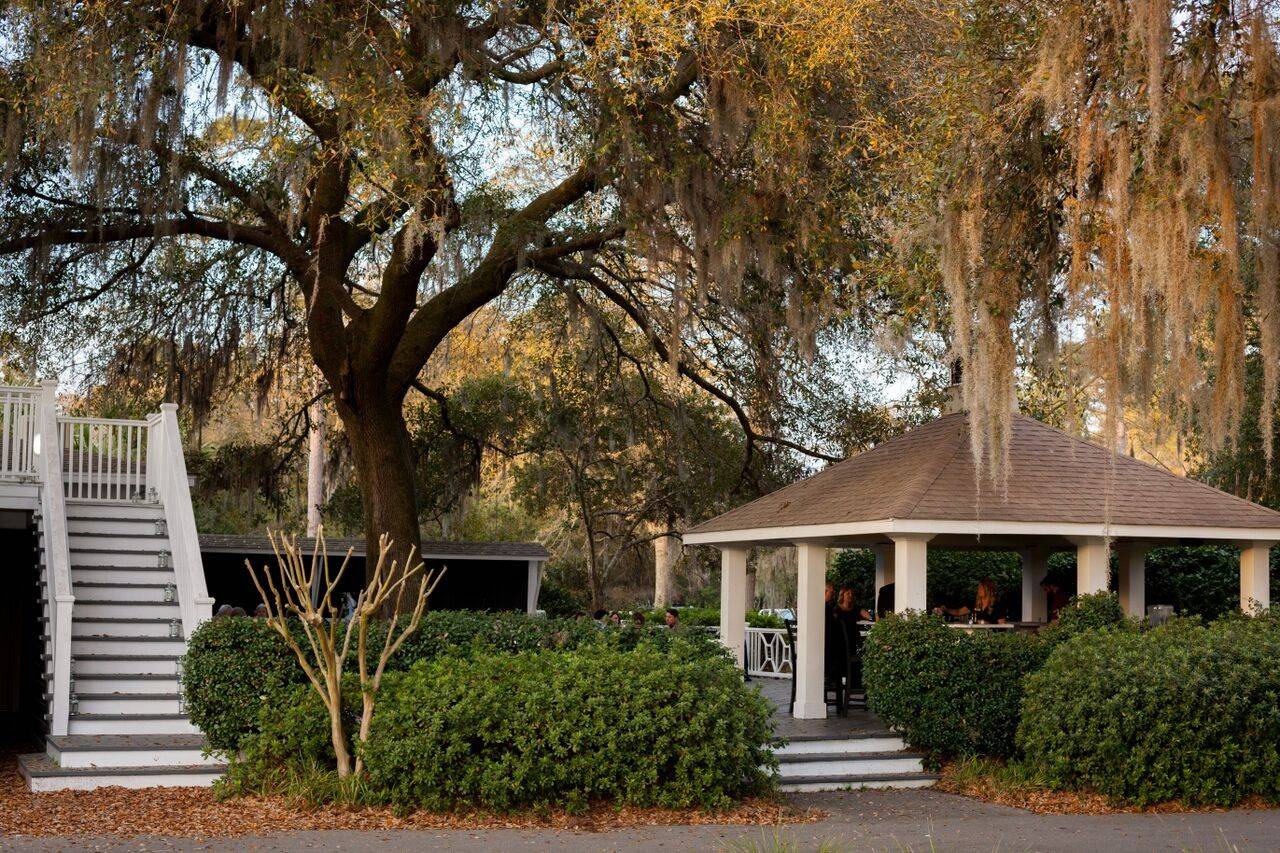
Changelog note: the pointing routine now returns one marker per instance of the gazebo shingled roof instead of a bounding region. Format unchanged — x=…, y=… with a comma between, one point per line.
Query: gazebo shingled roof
x=929, y=473
x=1056, y=491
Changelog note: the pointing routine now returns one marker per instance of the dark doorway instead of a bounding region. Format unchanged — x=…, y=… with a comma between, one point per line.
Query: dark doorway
x=21, y=651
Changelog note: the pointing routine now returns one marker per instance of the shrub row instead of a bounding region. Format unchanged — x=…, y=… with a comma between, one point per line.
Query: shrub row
x=1182, y=712
x=952, y=693
x=662, y=723
x=233, y=665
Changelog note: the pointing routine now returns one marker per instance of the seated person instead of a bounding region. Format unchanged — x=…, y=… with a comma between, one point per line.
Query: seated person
x=884, y=600
x=988, y=607
x=1056, y=597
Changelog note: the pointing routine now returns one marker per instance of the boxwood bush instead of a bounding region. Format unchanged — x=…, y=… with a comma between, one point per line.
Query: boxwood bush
x=949, y=693
x=650, y=726
x=954, y=694
x=1183, y=712
x=233, y=666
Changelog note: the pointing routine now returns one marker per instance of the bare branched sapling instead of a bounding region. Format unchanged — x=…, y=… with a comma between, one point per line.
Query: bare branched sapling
x=306, y=591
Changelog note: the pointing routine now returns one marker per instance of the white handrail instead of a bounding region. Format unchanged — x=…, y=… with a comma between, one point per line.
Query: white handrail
x=167, y=473
x=57, y=553
x=768, y=653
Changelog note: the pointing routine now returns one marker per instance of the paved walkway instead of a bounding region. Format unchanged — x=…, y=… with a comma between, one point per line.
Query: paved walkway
x=903, y=820
x=778, y=691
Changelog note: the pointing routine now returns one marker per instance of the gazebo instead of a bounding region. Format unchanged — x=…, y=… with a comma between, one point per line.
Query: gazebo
x=1058, y=492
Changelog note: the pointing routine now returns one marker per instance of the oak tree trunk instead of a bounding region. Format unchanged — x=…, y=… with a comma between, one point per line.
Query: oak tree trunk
x=382, y=453
x=316, y=485
x=666, y=550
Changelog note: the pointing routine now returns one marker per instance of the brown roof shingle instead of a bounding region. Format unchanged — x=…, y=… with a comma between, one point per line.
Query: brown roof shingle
x=929, y=473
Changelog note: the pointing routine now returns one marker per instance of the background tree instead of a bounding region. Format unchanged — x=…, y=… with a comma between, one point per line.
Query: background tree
x=376, y=172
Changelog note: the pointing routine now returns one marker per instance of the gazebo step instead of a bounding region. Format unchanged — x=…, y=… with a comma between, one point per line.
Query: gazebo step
x=853, y=783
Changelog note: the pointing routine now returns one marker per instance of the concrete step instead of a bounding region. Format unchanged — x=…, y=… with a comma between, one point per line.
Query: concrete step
x=130, y=724
x=146, y=543
x=119, y=509
x=102, y=751
x=88, y=524
x=125, y=626
x=110, y=645
x=115, y=590
x=128, y=558
x=124, y=682
x=872, y=742
x=91, y=610
x=886, y=780
x=121, y=574
x=127, y=703
x=124, y=664
x=43, y=774
x=848, y=765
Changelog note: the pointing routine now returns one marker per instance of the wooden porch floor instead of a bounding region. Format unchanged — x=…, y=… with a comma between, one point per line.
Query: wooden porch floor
x=858, y=723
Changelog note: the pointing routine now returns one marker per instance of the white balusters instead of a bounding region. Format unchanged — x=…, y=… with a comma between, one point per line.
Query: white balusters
x=105, y=459
x=18, y=414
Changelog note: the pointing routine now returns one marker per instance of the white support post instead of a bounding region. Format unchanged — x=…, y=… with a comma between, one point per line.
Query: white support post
x=911, y=570
x=733, y=600
x=884, y=573
x=1132, y=577
x=1035, y=565
x=1255, y=576
x=811, y=631
x=533, y=587
x=1093, y=565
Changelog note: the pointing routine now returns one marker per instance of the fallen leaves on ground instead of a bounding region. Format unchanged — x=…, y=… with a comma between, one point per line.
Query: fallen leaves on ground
x=1046, y=801
x=195, y=813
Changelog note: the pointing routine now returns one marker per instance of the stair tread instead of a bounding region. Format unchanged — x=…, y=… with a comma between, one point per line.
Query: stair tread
x=858, y=778
x=86, y=743
x=140, y=639
x=39, y=765
x=131, y=676
x=119, y=695
x=120, y=535
x=125, y=620
x=809, y=738
x=122, y=717
x=117, y=584
x=106, y=657
x=140, y=602
x=804, y=757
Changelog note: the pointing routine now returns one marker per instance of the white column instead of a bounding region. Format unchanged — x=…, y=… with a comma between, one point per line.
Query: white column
x=1035, y=565
x=533, y=587
x=1093, y=565
x=910, y=568
x=1255, y=576
x=1132, y=577
x=884, y=572
x=733, y=600
x=811, y=630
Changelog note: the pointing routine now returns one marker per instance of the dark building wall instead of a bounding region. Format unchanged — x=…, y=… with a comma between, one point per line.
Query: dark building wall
x=470, y=584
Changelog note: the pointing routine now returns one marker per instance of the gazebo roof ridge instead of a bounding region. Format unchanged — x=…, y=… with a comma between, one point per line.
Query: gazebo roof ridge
x=928, y=473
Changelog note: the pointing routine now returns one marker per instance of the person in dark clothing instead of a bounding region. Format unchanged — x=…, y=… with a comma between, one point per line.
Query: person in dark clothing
x=884, y=601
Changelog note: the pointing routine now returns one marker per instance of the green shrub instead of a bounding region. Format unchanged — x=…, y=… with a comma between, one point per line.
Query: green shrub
x=1091, y=612
x=651, y=726
x=234, y=664
x=1182, y=712
x=949, y=692
x=231, y=666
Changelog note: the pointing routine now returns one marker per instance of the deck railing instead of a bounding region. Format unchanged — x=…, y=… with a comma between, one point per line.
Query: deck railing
x=19, y=413
x=168, y=469
x=768, y=653
x=105, y=458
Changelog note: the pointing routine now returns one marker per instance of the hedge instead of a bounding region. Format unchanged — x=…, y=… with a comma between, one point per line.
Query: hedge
x=957, y=694
x=670, y=728
x=661, y=724
x=1182, y=712
x=234, y=665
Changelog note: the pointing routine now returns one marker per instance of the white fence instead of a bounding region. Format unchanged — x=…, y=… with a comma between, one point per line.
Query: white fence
x=104, y=459
x=19, y=411
x=768, y=653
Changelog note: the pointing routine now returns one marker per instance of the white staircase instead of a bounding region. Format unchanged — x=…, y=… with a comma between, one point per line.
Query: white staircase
x=822, y=762
x=122, y=587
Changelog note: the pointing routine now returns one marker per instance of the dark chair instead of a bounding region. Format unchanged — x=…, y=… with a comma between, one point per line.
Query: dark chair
x=851, y=671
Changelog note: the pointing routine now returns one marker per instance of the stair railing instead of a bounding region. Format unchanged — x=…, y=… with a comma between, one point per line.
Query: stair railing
x=167, y=474
x=57, y=553
x=19, y=411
